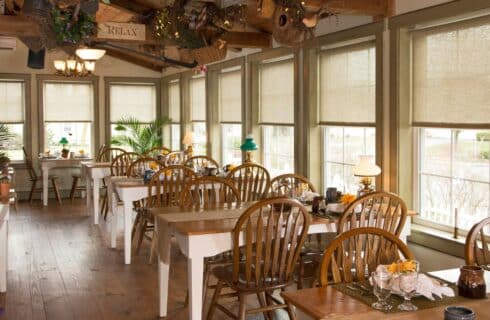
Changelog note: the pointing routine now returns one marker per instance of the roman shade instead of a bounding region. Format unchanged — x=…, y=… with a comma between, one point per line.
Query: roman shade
x=230, y=96
x=12, y=101
x=174, y=101
x=197, y=88
x=276, y=92
x=68, y=102
x=347, y=84
x=451, y=74
x=133, y=100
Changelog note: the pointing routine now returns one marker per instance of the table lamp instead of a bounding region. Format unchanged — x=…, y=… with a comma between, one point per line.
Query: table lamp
x=188, y=141
x=366, y=169
x=248, y=146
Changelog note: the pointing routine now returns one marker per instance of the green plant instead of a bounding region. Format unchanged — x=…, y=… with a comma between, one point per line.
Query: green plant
x=139, y=136
x=4, y=178
x=5, y=138
x=69, y=28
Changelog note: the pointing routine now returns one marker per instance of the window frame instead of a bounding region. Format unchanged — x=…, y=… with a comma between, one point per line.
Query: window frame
x=254, y=123
x=214, y=123
x=92, y=80
x=166, y=81
x=108, y=81
x=27, y=141
x=314, y=151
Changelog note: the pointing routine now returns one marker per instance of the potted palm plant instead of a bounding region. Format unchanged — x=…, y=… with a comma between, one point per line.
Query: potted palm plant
x=140, y=137
x=5, y=138
x=4, y=185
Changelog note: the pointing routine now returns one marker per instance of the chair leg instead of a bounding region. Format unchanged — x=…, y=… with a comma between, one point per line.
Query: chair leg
x=154, y=249
x=291, y=313
x=214, y=301
x=56, y=191
x=31, y=194
x=137, y=221
x=73, y=188
x=242, y=311
x=263, y=304
x=106, y=208
x=301, y=272
x=141, y=235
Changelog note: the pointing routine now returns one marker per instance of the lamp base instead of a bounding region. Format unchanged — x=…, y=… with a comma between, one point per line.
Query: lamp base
x=365, y=187
x=189, y=151
x=248, y=157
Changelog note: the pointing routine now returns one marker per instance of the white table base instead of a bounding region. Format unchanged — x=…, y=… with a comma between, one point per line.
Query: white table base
x=4, y=217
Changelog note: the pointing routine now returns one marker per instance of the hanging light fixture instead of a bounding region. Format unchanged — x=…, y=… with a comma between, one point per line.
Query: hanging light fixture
x=80, y=66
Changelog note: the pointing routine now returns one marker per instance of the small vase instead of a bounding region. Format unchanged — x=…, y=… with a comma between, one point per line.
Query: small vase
x=4, y=189
x=65, y=153
x=471, y=282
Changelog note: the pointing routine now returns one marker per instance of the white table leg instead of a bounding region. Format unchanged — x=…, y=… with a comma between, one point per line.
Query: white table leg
x=163, y=272
x=128, y=224
x=194, y=278
x=114, y=212
x=88, y=184
x=96, y=186
x=3, y=255
x=45, y=185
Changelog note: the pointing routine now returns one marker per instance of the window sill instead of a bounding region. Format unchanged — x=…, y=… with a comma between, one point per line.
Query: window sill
x=437, y=240
x=18, y=165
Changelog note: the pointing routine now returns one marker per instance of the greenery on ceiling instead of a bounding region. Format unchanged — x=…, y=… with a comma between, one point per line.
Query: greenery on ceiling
x=71, y=26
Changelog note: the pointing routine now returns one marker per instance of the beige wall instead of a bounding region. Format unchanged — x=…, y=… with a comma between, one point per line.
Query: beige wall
x=15, y=61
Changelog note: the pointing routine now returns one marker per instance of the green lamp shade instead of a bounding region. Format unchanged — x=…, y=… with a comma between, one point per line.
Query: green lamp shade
x=249, y=145
x=63, y=141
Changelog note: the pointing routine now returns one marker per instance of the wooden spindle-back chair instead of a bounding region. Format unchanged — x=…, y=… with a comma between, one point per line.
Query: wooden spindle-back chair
x=288, y=184
x=138, y=167
x=158, y=152
x=164, y=190
x=209, y=193
x=201, y=162
x=354, y=254
x=107, y=154
x=175, y=158
x=477, y=246
x=120, y=164
x=267, y=240
x=252, y=180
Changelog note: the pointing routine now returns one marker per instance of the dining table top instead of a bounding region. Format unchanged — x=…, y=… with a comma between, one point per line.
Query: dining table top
x=329, y=303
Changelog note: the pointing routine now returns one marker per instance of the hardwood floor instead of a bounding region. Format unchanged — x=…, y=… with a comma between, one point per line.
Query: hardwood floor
x=61, y=267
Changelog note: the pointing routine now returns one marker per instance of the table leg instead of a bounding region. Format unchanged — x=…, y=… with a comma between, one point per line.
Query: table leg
x=128, y=224
x=45, y=186
x=88, y=184
x=96, y=186
x=114, y=212
x=195, y=271
x=3, y=255
x=163, y=271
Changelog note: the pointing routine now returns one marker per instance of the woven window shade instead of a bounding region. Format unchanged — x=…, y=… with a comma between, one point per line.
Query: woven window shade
x=174, y=101
x=136, y=101
x=68, y=102
x=347, y=84
x=451, y=74
x=197, y=88
x=276, y=92
x=230, y=96
x=12, y=101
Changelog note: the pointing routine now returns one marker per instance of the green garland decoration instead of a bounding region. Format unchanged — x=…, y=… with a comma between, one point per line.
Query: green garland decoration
x=171, y=24
x=71, y=31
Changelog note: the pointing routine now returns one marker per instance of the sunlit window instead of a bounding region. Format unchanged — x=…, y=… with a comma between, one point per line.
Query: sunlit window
x=197, y=102
x=12, y=99
x=174, y=114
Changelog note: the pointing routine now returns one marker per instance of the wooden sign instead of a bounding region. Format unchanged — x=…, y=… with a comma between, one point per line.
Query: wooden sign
x=121, y=31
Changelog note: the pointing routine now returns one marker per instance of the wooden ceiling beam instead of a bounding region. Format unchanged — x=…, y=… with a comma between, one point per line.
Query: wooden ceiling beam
x=133, y=58
x=131, y=6
x=18, y=26
x=114, y=13
x=357, y=7
x=248, y=39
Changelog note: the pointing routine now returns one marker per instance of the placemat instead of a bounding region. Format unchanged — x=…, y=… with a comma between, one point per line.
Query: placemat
x=369, y=298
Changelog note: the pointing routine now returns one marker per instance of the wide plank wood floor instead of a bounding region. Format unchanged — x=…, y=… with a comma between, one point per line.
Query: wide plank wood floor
x=60, y=267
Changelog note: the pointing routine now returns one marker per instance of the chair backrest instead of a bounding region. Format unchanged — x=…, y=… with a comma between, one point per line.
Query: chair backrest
x=120, y=164
x=290, y=184
x=108, y=154
x=354, y=254
x=208, y=193
x=157, y=152
x=30, y=168
x=377, y=209
x=138, y=167
x=252, y=180
x=175, y=158
x=100, y=151
x=267, y=241
x=201, y=162
x=477, y=246
x=166, y=185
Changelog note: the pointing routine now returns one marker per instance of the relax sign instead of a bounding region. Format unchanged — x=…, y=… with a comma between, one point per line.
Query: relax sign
x=121, y=31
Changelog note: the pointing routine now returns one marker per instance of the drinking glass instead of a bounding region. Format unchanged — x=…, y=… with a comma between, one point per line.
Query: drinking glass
x=382, y=282
x=408, y=287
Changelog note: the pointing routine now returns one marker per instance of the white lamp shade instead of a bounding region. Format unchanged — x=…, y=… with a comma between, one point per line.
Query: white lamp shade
x=90, y=54
x=89, y=66
x=71, y=64
x=366, y=167
x=188, y=138
x=60, y=65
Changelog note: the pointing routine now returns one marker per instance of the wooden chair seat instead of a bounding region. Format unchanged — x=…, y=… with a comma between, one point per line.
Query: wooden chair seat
x=225, y=274
x=38, y=178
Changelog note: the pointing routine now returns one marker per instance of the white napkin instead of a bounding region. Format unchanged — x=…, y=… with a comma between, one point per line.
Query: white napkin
x=308, y=195
x=427, y=287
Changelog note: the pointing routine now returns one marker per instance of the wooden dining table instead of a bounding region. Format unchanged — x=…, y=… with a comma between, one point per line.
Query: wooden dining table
x=94, y=174
x=199, y=235
x=329, y=303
